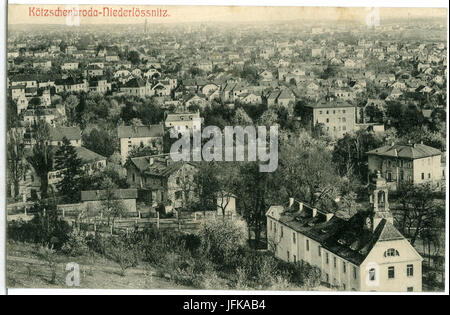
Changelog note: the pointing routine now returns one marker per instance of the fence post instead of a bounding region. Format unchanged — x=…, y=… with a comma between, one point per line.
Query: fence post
x=25, y=209
x=111, y=229
x=63, y=212
x=95, y=226
x=157, y=220
x=139, y=214
x=195, y=216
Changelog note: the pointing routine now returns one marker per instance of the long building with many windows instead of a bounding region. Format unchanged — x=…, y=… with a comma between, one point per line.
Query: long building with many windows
x=363, y=253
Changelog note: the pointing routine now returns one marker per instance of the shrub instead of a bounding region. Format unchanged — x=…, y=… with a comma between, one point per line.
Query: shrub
x=48, y=254
x=45, y=228
x=221, y=241
x=118, y=251
x=76, y=245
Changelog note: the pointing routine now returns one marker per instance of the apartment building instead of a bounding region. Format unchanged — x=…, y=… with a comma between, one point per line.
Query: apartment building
x=337, y=118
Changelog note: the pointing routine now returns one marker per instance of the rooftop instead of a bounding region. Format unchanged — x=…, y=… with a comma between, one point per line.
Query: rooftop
x=140, y=131
x=349, y=239
x=409, y=151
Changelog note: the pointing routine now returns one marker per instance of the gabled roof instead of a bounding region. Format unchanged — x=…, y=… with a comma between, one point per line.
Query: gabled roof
x=157, y=165
x=412, y=151
x=140, y=131
x=88, y=156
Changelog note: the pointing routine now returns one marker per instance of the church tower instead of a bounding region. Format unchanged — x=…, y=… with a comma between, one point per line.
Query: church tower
x=379, y=192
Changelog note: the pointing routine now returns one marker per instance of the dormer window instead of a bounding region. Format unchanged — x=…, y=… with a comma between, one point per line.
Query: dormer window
x=391, y=252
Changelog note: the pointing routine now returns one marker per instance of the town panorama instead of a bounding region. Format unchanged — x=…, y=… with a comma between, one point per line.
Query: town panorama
x=356, y=201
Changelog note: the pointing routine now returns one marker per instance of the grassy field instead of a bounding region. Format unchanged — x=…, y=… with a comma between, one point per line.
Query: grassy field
x=25, y=269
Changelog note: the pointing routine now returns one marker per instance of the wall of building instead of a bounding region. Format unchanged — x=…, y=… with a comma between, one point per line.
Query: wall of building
x=127, y=144
x=336, y=120
x=401, y=281
x=307, y=249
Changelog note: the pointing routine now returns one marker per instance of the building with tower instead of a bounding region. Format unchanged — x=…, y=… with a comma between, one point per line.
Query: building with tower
x=363, y=253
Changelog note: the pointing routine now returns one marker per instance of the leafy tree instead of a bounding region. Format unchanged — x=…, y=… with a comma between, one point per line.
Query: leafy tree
x=42, y=155
x=374, y=113
x=241, y=118
x=111, y=206
x=71, y=104
x=419, y=211
x=97, y=180
x=206, y=185
x=221, y=240
x=253, y=192
x=307, y=172
x=349, y=153
x=143, y=151
x=67, y=160
x=133, y=57
x=100, y=141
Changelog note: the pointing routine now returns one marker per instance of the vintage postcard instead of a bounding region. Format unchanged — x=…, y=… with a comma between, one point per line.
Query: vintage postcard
x=226, y=148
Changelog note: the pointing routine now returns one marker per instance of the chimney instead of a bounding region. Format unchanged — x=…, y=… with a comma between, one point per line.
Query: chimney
x=314, y=212
x=291, y=202
x=151, y=160
x=300, y=206
x=328, y=216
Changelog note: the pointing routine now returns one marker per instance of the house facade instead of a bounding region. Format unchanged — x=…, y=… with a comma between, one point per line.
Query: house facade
x=337, y=118
x=161, y=180
x=139, y=136
x=411, y=163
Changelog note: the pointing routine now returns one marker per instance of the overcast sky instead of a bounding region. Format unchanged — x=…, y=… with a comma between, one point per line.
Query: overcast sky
x=19, y=14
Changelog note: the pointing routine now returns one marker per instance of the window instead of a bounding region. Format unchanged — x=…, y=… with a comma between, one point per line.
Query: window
x=293, y=237
x=391, y=272
x=134, y=178
x=281, y=232
x=319, y=251
x=327, y=259
x=372, y=274
x=178, y=195
x=295, y=258
x=354, y=272
x=423, y=175
x=410, y=270
x=410, y=289
x=334, y=262
x=271, y=225
x=344, y=267
x=391, y=252
x=327, y=278
x=307, y=245
x=287, y=255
